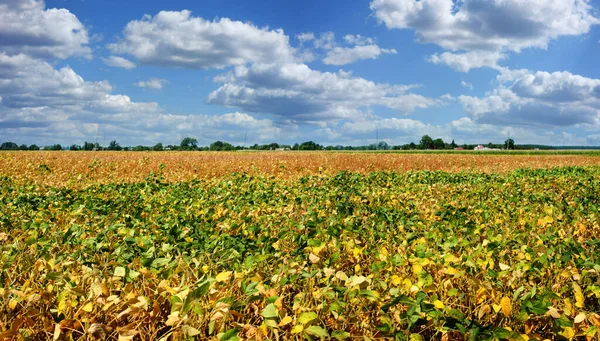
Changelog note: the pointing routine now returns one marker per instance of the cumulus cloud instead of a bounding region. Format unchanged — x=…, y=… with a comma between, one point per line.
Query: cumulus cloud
x=485, y=26
x=464, y=62
x=26, y=26
x=34, y=91
x=348, y=55
x=360, y=48
x=467, y=85
x=541, y=99
x=305, y=37
x=296, y=92
x=177, y=39
x=120, y=62
x=358, y=39
x=154, y=83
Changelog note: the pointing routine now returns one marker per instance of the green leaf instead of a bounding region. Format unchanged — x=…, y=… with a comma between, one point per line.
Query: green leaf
x=270, y=311
x=316, y=331
x=308, y=317
x=230, y=335
x=340, y=335
x=160, y=262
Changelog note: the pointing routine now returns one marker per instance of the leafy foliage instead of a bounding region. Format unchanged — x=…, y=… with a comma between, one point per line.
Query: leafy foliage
x=409, y=256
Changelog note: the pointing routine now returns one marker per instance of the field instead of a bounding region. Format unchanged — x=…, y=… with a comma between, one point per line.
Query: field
x=278, y=246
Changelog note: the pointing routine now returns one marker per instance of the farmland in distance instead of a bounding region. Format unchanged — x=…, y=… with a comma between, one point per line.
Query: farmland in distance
x=278, y=246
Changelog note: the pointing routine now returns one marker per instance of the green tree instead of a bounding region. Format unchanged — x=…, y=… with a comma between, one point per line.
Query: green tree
x=310, y=145
x=189, y=143
x=114, y=145
x=509, y=144
x=34, y=147
x=453, y=144
x=9, y=146
x=438, y=144
x=426, y=142
x=158, y=147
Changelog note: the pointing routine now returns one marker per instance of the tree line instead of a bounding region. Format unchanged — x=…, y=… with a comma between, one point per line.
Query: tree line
x=190, y=143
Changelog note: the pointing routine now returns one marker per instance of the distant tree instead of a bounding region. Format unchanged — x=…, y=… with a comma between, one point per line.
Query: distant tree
x=34, y=147
x=88, y=146
x=438, y=144
x=158, y=147
x=23, y=147
x=453, y=144
x=382, y=145
x=310, y=145
x=412, y=145
x=114, y=145
x=221, y=146
x=426, y=142
x=9, y=146
x=509, y=144
x=189, y=143
x=54, y=147
x=75, y=147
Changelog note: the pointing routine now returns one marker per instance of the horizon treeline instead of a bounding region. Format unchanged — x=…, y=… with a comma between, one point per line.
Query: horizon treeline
x=189, y=143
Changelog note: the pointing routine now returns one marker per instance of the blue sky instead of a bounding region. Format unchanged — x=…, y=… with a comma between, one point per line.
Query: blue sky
x=334, y=72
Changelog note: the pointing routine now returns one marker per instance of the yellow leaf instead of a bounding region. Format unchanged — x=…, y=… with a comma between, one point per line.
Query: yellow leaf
x=496, y=307
x=12, y=304
x=297, y=329
x=505, y=304
x=223, y=276
x=285, y=321
x=595, y=319
x=451, y=271
x=579, y=298
x=88, y=307
x=439, y=304
x=417, y=268
x=314, y=258
x=396, y=280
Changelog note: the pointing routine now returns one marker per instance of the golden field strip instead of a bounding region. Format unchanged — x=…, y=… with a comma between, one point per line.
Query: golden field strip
x=76, y=169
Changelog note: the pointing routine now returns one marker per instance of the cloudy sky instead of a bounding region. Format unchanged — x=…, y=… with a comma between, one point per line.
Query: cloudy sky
x=334, y=71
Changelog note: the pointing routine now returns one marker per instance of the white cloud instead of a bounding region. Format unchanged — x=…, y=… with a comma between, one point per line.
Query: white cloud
x=119, y=62
x=348, y=55
x=467, y=85
x=27, y=27
x=464, y=62
x=540, y=99
x=177, y=39
x=487, y=25
x=154, y=83
x=358, y=39
x=33, y=91
x=326, y=41
x=305, y=37
x=296, y=92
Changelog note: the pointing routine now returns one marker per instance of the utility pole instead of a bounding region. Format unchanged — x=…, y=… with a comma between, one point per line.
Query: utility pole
x=376, y=138
x=96, y=143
